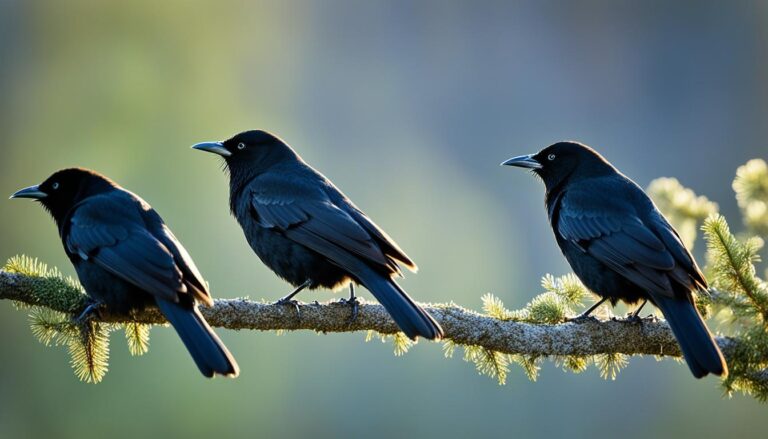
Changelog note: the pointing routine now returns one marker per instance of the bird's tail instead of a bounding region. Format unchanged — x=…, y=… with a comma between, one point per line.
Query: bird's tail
x=209, y=353
x=409, y=316
x=699, y=348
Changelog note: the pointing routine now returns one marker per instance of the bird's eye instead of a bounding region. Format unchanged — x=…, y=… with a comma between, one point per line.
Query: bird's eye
x=551, y=157
x=241, y=145
x=55, y=185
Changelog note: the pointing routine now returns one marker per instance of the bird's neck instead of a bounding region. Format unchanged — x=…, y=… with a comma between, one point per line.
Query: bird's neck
x=238, y=181
x=554, y=189
x=551, y=199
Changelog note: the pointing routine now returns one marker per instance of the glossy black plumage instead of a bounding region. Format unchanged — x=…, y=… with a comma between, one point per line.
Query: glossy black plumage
x=308, y=232
x=621, y=246
x=127, y=258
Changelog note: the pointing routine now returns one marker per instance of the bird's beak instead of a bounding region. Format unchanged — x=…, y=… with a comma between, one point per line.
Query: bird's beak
x=32, y=192
x=214, y=147
x=523, y=161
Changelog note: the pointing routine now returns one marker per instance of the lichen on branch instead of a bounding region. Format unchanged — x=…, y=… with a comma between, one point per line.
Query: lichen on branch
x=493, y=339
x=503, y=332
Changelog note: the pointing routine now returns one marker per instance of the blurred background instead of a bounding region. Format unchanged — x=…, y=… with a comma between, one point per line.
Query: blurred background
x=408, y=108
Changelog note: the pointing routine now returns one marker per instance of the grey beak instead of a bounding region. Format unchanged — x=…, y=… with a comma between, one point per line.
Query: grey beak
x=523, y=161
x=32, y=192
x=214, y=147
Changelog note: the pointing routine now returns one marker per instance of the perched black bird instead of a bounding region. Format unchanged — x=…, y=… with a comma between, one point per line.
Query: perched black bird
x=308, y=232
x=621, y=246
x=127, y=258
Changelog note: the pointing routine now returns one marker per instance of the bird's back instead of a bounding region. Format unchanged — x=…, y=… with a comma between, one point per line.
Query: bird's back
x=617, y=240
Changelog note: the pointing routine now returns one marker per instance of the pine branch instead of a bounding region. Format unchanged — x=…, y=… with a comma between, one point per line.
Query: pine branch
x=492, y=340
x=462, y=326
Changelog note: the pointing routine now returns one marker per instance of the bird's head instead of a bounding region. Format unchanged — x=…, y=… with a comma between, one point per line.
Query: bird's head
x=65, y=188
x=562, y=161
x=249, y=151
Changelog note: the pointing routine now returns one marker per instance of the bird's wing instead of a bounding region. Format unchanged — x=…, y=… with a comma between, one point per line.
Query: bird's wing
x=307, y=216
x=615, y=235
x=111, y=233
x=192, y=276
x=675, y=246
x=387, y=244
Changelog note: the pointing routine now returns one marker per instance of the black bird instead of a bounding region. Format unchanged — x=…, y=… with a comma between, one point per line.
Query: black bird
x=308, y=232
x=127, y=258
x=621, y=246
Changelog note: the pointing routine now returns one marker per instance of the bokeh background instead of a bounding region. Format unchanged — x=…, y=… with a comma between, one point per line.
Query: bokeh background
x=409, y=107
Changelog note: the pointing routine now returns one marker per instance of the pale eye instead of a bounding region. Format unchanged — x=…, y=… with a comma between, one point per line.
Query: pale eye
x=55, y=185
x=241, y=145
x=551, y=157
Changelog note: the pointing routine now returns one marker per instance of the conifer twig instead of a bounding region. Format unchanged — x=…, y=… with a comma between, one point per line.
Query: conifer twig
x=462, y=326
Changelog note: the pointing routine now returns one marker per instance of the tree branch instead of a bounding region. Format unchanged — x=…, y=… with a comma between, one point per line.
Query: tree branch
x=462, y=326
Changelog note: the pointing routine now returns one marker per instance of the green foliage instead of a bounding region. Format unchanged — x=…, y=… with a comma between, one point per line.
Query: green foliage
x=742, y=298
x=573, y=363
x=488, y=362
x=731, y=264
x=48, y=286
x=494, y=307
x=560, y=297
x=546, y=308
x=400, y=343
x=739, y=296
x=569, y=288
x=137, y=336
x=751, y=187
x=50, y=327
x=681, y=206
x=87, y=342
x=610, y=364
x=748, y=363
x=531, y=365
x=89, y=351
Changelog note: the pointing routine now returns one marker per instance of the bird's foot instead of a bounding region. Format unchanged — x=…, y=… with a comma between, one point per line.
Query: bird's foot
x=581, y=318
x=355, y=304
x=634, y=318
x=91, y=311
x=586, y=315
x=290, y=302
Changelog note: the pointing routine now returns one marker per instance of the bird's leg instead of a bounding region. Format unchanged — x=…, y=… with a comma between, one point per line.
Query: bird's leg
x=88, y=313
x=288, y=300
x=352, y=302
x=635, y=315
x=586, y=313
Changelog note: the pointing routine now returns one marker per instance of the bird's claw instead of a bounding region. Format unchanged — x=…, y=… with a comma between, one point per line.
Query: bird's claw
x=355, y=304
x=290, y=302
x=581, y=318
x=634, y=318
x=92, y=310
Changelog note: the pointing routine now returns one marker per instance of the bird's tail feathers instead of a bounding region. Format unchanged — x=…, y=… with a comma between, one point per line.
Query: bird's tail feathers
x=699, y=348
x=209, y=353
x=410, y=317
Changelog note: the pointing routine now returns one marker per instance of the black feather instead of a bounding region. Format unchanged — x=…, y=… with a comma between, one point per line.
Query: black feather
x=306, y=230
x=621, y=246
x=127, y=258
